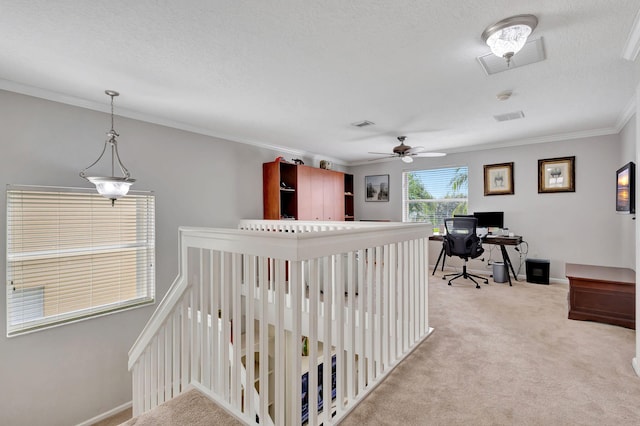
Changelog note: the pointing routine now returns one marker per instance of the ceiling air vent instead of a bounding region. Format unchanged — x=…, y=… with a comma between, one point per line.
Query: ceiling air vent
x=363, y=123
x=509, y=116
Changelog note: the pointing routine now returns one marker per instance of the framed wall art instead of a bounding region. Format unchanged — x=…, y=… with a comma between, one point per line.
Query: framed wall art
x=557, y=175
x=625, y=189
x=498, y=179
x=376, y=188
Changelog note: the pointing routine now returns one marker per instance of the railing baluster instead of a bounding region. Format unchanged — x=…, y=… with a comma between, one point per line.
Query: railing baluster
x=237, y=324
x=351, y=332
x=217, y=370
x=265, y=385
x=378, y=336
x=361, y=324
x=339, y=339
x=184, y=342
x=327, y=340
x=280, y=396
x=370, y=323
x=225, y=349
x=249, y=337
x=312, y=335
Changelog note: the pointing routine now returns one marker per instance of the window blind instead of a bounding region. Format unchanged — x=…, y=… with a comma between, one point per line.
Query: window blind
x=71, y=255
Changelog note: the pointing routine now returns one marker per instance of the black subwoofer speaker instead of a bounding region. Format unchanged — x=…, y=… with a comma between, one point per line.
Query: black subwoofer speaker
x=538, y=271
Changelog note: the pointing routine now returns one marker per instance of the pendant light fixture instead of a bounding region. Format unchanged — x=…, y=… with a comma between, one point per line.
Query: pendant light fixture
x=508, y=36
x=111, y=187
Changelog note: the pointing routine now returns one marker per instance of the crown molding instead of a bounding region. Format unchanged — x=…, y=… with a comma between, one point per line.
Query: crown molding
x=37, y=92
x=632, y=45
x=41, y=93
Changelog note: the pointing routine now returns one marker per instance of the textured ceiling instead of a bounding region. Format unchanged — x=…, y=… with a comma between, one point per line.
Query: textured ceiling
x=295, y=74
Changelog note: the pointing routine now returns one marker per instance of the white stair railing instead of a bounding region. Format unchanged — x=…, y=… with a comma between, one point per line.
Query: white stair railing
x=247, y=302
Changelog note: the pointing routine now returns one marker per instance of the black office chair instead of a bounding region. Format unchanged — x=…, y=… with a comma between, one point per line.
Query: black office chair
x=461, y=240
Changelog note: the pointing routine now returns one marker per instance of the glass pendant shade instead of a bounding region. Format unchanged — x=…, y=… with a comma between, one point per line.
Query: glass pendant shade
x=111, y=187
x=407, y=159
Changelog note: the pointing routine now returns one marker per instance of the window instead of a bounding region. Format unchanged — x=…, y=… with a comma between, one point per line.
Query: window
x=433, y=195
x=71, y=255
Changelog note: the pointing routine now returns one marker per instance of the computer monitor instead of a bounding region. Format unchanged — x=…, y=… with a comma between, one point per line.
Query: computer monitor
x=490, y=219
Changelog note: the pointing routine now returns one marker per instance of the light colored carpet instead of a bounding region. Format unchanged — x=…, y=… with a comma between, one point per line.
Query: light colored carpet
x=505, y=355
x=499, y=355
x=192, y=408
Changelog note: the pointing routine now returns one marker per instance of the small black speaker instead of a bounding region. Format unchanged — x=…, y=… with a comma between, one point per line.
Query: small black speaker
x=538, y=271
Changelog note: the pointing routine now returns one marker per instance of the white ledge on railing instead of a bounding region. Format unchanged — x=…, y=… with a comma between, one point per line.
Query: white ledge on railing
x=350, y=296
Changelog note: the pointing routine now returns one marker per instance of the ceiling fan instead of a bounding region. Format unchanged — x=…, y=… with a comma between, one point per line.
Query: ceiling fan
x=406, y=152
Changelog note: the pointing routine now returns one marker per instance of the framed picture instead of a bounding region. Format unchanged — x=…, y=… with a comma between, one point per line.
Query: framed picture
x=376, y=188
x=557, y=175
x=498, y=179
x=625, y=189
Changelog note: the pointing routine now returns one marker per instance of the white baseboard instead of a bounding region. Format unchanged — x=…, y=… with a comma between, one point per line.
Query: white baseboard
x=106, y=415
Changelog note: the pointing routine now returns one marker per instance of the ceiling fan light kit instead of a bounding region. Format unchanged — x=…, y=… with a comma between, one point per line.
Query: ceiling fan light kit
x=112, y=187
x=507, y=37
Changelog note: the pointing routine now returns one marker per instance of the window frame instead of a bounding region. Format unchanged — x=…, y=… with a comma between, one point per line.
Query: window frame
x=36, y=253
x=406, y=202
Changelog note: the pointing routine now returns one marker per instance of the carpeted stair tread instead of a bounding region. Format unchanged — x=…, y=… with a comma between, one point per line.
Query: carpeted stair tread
x=192, y=408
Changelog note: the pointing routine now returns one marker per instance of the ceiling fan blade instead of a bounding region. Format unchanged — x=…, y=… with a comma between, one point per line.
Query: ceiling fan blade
x=430, y=154
x=382, y=153
x=414, y=150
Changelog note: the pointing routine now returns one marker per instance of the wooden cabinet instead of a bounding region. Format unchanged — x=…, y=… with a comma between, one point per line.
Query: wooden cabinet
x=602, y=293
x=301, y=192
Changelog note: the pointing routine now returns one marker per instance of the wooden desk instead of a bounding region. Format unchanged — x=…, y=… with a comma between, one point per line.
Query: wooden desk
x=602, y=293
x=499, y=240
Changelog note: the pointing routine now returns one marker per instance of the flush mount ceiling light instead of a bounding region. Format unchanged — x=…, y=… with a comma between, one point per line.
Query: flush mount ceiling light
x=111, y=187
x=508, y=36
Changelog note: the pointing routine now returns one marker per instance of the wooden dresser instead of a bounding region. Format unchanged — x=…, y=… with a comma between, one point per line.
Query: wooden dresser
x=603, y=294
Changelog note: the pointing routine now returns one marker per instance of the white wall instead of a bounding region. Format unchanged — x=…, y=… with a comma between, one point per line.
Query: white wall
x=69, y=374
x=580, y=227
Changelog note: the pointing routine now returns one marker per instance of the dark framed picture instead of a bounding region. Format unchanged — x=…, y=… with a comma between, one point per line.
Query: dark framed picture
x=625, y=189
x=498, y=179
x=557, y=175
x=376, y=188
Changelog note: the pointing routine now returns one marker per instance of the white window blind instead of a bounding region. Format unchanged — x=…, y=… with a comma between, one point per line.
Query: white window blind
x=435, y=194
x=71, y=255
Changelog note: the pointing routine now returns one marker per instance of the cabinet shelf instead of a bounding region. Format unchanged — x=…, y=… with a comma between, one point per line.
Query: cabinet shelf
x=349, y=213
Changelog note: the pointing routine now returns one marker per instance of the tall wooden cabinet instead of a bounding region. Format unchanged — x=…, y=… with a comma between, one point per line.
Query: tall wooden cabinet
x=301, y=192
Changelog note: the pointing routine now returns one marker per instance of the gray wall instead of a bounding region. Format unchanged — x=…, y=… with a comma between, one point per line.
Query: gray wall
x=69, y=374
x=580, y=227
